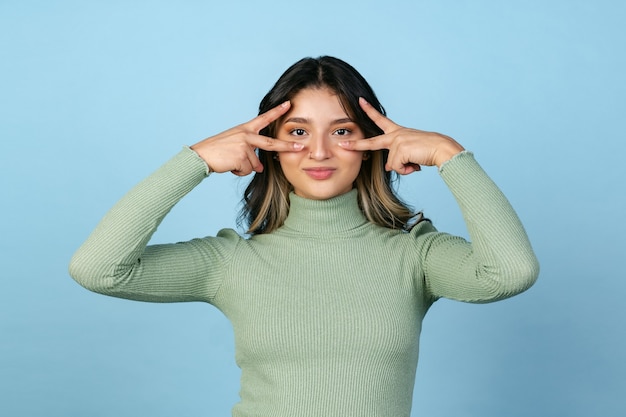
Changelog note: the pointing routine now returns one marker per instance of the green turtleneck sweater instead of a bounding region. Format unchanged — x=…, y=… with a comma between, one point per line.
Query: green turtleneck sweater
x=327, y=309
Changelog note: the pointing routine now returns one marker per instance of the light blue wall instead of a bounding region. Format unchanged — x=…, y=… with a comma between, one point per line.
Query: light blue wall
x=95, y=95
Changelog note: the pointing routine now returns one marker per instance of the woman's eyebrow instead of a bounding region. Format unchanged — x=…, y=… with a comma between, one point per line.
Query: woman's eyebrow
x=300, y=120
x=341, y=121
x=303, y=120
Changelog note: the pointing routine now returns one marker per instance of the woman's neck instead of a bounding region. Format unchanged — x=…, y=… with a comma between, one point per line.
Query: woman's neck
x=323, y=217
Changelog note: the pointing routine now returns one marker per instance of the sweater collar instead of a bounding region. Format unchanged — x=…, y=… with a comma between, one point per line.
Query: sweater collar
x=322, y=217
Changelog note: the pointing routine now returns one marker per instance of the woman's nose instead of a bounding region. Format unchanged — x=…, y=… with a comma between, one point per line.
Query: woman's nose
x=319, y=147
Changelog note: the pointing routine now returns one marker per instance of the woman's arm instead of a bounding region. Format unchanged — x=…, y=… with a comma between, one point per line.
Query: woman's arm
x=115, y=260
x=500, y=261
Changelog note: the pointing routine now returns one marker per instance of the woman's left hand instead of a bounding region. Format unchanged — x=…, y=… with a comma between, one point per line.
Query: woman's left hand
x=408, y=148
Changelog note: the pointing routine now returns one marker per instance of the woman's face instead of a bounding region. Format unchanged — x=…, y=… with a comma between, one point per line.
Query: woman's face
x=323, y=169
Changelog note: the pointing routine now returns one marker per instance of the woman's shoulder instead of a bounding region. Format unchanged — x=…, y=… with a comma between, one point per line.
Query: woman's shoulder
x=398, y=238
x=229, y=234
x=226, y=240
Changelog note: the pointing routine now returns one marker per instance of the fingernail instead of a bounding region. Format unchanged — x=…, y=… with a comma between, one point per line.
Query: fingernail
x=363, y=100
x=285, y=104
x=344, y=144
x=298, y=146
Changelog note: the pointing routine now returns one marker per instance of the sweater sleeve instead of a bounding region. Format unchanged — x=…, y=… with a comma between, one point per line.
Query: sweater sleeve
x=115, y=259
x=498, y=263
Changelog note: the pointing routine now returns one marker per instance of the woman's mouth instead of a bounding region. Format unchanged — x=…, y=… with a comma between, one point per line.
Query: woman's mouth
x=319, y=173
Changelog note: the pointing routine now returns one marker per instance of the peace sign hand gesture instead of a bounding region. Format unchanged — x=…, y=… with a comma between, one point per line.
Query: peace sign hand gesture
x=234, y=149
x=408, y=148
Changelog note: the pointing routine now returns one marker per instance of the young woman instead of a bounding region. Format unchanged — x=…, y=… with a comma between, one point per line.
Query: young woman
x=327, y=294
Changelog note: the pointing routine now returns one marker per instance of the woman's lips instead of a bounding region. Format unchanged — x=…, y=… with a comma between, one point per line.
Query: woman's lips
x=319, y=173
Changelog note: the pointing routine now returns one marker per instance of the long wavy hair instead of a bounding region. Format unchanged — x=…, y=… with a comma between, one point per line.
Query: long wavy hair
x=266, y=198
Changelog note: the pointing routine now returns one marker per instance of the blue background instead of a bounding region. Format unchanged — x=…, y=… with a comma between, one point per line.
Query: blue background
x=96, y=95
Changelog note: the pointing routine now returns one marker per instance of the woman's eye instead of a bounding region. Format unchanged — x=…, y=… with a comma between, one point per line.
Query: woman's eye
x=342, y=132
x=298, y=132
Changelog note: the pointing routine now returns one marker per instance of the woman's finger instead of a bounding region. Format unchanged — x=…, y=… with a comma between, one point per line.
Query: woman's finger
x=247, y=162
x=270, y=144
x=402, y=168
x=263, y=120
x=382, y=121
x=371, y=144
x=266, y=143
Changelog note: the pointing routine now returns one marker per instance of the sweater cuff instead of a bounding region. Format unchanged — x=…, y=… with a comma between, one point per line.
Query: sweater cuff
x=196, y=160
x=460, y=159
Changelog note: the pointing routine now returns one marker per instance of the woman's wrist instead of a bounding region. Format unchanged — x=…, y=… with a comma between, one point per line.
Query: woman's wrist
x=447, y=150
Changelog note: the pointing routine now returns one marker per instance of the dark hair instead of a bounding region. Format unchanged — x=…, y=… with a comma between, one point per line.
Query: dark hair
x=266, y=199
x=326, y=71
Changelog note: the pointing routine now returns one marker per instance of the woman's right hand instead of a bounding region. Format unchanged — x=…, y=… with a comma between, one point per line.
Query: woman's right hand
x=234, y=149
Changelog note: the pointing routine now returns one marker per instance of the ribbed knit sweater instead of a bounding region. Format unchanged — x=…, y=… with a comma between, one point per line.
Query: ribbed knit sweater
x=327, y=309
